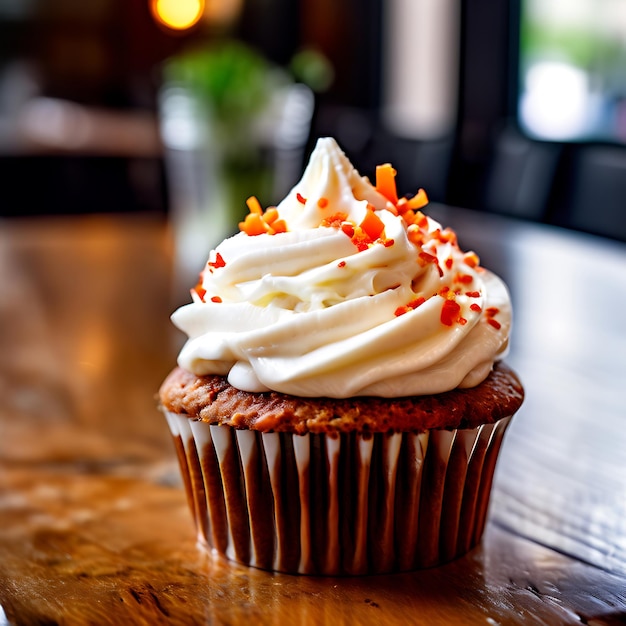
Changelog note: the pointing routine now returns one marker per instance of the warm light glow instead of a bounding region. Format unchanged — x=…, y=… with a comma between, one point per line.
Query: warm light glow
x=177, y=14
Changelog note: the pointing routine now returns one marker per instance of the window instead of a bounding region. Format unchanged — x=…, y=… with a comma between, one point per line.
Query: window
x=573, y=70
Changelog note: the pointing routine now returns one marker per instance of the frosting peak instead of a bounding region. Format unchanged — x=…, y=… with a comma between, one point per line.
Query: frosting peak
x=343, y=289
x=330, y=178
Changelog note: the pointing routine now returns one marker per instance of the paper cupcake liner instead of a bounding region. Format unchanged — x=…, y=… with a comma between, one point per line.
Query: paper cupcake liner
x=333, y=505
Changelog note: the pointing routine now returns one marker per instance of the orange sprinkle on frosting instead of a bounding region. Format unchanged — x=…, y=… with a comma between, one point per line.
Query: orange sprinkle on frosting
x=471, y=259
x=372, y=225
x=254, y=205
x=335, y=220
x=386, y=182
x=258, y=222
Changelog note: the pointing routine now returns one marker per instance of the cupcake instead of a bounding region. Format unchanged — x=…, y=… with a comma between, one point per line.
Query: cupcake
x=341, y=399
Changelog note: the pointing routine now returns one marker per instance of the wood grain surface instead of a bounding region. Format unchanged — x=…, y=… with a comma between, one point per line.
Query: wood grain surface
x=94, y=526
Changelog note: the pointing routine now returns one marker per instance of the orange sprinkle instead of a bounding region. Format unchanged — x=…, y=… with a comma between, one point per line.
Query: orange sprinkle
x=421, y=220
x=409, y=217
x=445, y=236
x=279, y=226
x=414, y=234
x=471, y=259
x=270, y=215
x=322, y=203
x=419, y=200
x=216, y=299
x=386, y=182
x=253, y=225
x=254, y=205
x=372, y=225
x=335, y=220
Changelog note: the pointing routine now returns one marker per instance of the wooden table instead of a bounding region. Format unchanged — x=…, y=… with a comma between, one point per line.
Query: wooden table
x=94, y=527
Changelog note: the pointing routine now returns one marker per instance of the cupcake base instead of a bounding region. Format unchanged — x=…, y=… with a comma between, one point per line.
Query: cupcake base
x=344, y=504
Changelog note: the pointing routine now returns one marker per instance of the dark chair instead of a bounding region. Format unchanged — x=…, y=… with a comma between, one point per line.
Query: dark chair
x=591, y=190
x=520, y=176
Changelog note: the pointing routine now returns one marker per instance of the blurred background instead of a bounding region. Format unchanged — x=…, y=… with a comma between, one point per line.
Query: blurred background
x=515, y=107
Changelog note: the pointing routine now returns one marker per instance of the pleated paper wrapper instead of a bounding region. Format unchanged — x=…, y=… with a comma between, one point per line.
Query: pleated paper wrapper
x=342, y=504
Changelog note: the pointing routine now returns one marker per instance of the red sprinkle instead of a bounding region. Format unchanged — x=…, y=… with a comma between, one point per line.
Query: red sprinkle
x=401, y=310
x=219, y=262
x=426, y=258
x=216, y=299
x=347, y=229
x=495, y=323
x=462, y=321
x=341, y=264
x=361, y=240
x=449, y=312
x=475, y=307
x=301, y=199
x=472, y=294
x=417, y=302
x=492, y=310
x=449, y=262
x=388, y=243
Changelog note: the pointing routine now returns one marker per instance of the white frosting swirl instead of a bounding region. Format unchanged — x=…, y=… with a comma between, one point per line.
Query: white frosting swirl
x=316, y=312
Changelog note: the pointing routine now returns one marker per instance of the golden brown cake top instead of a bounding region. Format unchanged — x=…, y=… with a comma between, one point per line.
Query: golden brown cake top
x=212, y=399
